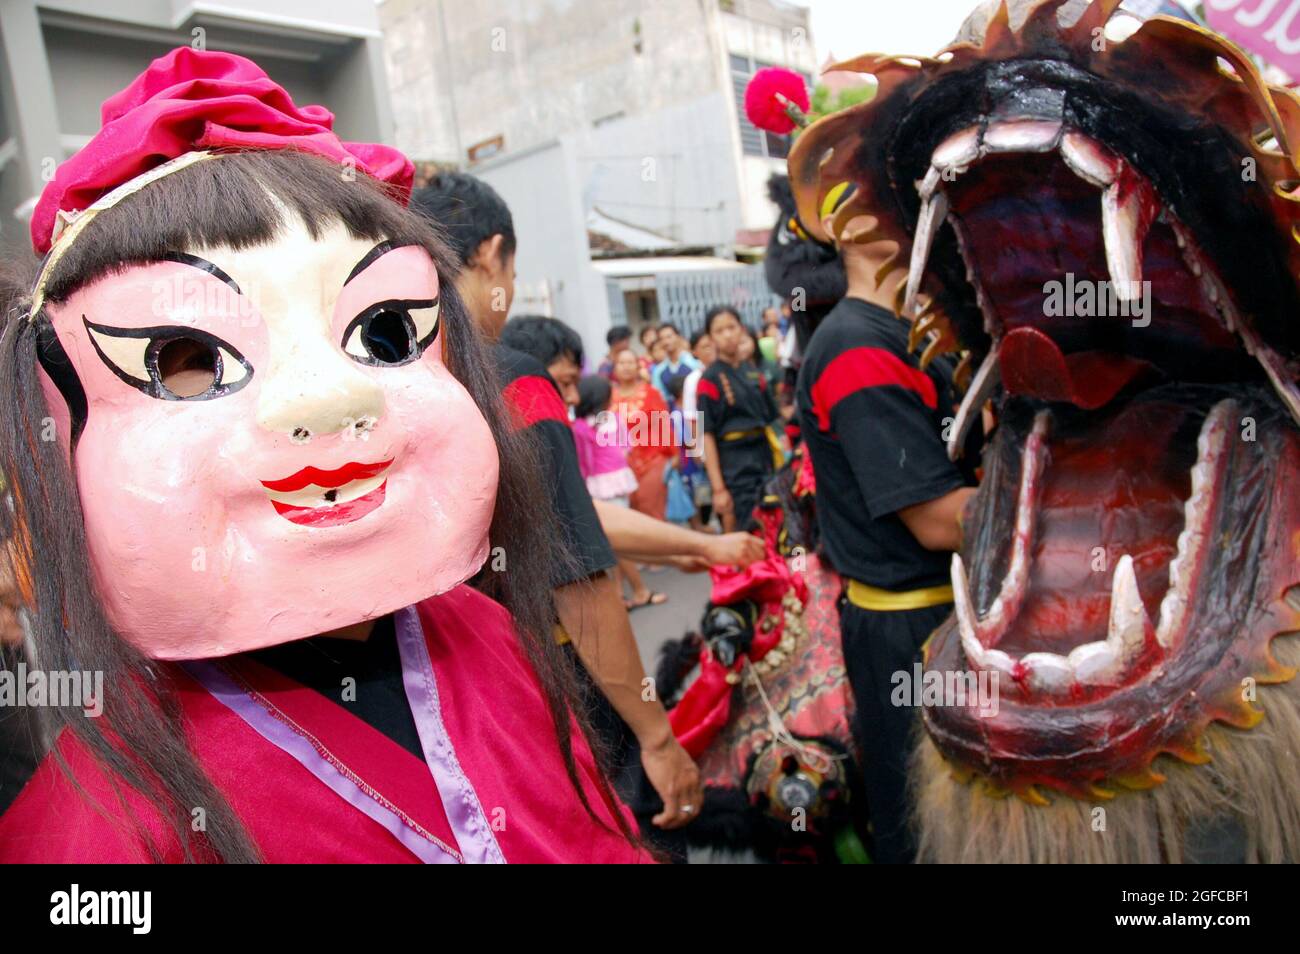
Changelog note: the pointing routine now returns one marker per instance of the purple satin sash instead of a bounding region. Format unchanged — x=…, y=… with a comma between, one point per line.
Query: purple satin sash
x=477, y=843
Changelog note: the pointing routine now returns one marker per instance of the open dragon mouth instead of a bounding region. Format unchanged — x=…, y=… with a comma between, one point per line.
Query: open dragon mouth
x=1141, y=421
x=1104, y=495
x=1122, y=288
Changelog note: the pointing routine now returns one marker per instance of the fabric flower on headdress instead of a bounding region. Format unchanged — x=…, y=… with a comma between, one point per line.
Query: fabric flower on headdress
x=194, y=100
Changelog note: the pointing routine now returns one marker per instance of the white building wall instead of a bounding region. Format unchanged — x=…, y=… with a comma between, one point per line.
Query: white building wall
x=419, y=78
x=529, y=70
x=638, y=94
x=770, y=32
x=774, y=32
x=671, y=171
x=541, y=187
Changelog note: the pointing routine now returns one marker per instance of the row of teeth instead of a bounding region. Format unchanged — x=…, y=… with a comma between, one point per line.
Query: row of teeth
x=1128, y=205
x=1130, y=631
x=1006, y=606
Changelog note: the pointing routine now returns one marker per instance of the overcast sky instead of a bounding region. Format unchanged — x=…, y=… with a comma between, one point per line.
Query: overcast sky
x=849, y=27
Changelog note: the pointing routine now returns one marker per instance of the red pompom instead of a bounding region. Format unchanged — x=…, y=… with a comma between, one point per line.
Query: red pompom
x=763, y=107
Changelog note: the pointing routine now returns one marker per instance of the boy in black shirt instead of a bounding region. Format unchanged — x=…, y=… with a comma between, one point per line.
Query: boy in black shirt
x=888, y=502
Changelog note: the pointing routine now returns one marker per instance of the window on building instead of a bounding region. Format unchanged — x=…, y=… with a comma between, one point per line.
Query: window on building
x=778, y=147
x=755, y=141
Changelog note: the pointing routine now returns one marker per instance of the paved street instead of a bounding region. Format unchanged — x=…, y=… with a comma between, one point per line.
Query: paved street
x=687, y=593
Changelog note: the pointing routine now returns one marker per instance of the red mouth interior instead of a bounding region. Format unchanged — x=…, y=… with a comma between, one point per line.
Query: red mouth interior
x=1112, y=487
x=1117, y=472
x=1033, y=365
x=1029, y=220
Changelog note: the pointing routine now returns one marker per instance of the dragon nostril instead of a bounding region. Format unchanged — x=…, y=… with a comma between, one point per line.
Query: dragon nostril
x=300, y=435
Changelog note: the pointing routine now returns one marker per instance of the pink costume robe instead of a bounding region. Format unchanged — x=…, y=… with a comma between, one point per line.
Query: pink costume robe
x=313, y=783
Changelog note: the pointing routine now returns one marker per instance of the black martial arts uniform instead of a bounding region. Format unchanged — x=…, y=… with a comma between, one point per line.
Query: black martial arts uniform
x=874, y=422
x=736, y=407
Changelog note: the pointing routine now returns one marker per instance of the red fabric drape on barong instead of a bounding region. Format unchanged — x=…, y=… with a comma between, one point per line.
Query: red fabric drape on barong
x=705, y=707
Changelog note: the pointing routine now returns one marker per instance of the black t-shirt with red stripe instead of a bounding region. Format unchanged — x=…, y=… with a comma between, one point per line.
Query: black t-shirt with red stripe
x=874, y=424
x=732, y=400
x=535, y=405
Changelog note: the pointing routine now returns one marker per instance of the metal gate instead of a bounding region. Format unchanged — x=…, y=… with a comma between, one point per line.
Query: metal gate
x=617, y=307
x=685, y=297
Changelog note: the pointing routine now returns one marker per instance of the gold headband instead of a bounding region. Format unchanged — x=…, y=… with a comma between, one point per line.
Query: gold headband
x=68, y=225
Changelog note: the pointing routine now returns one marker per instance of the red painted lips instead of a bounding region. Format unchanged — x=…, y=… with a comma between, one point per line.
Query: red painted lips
x=327, y=478
x=329, y=514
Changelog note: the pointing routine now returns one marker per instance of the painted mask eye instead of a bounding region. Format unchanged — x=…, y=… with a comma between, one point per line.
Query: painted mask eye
x=392, y=333
x=171, y=362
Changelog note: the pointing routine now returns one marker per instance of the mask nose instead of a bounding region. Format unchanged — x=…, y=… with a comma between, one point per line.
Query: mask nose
x=314, y=391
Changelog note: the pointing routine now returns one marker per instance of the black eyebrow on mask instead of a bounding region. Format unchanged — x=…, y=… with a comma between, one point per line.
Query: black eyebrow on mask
x=204, y=265
x=383, y=248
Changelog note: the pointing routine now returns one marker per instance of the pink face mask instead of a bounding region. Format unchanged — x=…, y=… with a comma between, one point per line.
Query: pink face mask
x=317, y=465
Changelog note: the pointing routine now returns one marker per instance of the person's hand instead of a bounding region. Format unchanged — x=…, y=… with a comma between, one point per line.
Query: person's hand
x=722, y=504
x=675, y=777
x=735, y=549
x=690, y=564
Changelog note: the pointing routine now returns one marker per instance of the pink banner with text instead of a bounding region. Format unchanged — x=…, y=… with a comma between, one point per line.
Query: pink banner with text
x=1268, y=28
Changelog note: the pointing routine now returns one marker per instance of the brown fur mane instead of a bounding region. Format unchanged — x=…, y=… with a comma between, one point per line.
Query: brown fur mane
x=1252, y=781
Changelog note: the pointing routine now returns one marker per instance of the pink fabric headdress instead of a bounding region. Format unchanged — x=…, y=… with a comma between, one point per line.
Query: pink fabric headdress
x=193, y=101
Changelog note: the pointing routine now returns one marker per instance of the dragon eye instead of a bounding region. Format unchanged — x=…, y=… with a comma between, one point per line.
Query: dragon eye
x=392, y=333
x=172, y=363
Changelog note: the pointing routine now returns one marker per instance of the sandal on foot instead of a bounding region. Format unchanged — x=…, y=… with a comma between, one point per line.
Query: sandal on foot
x=652, y=599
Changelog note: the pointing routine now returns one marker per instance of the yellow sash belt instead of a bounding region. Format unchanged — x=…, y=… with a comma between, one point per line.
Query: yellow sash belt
x=773, y=442
x=873, y=598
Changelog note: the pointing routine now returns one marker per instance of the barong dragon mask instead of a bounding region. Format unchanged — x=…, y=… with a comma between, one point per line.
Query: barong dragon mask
x=1103, y=213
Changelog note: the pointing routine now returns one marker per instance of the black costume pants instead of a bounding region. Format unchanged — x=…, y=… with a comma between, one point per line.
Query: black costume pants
x=877, y=645
x=746, y=466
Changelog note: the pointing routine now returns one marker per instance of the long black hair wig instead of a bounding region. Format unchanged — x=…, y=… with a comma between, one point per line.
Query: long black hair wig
x=239, y=200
